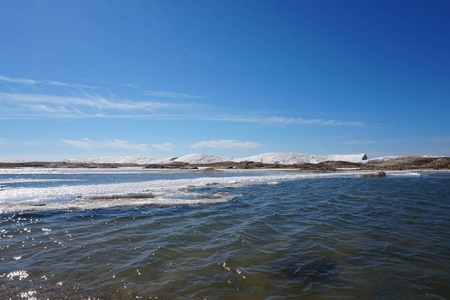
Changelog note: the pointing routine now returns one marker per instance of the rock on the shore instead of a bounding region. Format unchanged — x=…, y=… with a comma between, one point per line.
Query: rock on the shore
x=375, y=175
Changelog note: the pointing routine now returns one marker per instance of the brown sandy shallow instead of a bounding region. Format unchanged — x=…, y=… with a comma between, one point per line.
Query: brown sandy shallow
x=400, y=163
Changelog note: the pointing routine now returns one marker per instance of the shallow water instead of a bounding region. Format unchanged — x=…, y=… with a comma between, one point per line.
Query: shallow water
x=338, y=237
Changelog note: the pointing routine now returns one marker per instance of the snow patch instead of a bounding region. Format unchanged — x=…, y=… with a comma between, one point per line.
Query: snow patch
x=384, y=158
x=432, y=156
x=195, y=158
x=137, y=159
x=11, y=161
x=294, y=158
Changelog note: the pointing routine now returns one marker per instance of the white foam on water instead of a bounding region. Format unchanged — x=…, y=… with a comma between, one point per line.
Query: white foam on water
x=128, y=170
x=157, y=192
x=160, y=192
x=403, y=173
x=29, y=180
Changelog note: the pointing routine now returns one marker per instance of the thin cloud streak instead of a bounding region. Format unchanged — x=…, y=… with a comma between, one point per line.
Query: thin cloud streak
x=268, y=120
x=92, y=101
x=47, y=106
x=289, y=121
x=44, y=82
x=130, y=85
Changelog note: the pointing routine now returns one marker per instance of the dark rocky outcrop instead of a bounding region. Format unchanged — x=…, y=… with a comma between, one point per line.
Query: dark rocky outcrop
x=375, y=175
x=410, y=163
x=172, y=165
x=209, y=170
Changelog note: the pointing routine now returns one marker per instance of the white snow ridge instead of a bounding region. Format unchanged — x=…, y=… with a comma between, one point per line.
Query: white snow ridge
x=195, y=158
x=138, y=159
x=294, y=158
x=202, y=159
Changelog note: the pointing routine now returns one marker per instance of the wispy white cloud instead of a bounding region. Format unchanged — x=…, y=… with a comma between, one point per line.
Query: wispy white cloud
x=92, y=101
x=19, y=80
x=279, y=120
x=4, y=142
x=94, y=106
x=131, y=85
x=227, y=144
x=164, y=147
x=265, y=120
x=162, y=94
x=114, y=144
x=43, y=82
x=45, y=108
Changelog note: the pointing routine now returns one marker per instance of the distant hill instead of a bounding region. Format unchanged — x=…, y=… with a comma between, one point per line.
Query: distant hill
x=195, y=158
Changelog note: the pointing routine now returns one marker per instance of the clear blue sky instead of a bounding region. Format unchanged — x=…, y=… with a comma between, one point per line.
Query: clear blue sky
x=232, y=78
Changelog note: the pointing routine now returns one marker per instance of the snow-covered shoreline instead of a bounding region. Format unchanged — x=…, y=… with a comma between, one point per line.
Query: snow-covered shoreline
x=274, y=160
x=282, y=158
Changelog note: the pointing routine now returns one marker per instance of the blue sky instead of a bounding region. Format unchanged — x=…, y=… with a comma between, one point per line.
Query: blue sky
x=232, y=78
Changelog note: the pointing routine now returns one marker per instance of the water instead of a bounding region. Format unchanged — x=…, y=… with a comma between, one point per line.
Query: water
x=278, y=236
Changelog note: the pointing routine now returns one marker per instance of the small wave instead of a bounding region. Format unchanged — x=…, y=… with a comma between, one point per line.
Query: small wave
x=403, y=173
x=273, y=183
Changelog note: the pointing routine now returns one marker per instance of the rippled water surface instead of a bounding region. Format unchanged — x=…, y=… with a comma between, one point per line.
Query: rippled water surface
x=344, y=237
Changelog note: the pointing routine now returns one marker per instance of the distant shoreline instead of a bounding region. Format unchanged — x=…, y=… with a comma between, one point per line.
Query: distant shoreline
x=392, y=164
